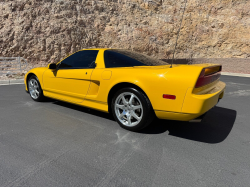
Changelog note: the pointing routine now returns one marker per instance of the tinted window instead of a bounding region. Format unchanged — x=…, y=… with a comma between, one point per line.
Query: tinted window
x=80, y=59
x=127, y=58
x=115, y=59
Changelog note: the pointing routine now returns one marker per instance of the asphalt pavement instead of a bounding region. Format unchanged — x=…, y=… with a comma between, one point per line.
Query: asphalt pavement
x=59, y=144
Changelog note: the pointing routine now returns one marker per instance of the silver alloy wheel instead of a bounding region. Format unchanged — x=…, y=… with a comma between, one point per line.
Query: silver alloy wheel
x=34, y=88
x=128, y=109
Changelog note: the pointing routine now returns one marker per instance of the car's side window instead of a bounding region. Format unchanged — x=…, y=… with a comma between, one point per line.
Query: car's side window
x=80, y=60
x=113, y=59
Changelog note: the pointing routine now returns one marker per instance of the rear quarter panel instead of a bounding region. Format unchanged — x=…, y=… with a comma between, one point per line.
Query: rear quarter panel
x=172, y=81
x=154, y=82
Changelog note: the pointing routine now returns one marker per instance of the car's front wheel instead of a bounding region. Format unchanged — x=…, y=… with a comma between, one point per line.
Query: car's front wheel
x=34, y=88
x=132, y=109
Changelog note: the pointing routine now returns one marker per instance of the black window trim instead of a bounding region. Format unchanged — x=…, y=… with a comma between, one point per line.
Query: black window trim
x=75, y=68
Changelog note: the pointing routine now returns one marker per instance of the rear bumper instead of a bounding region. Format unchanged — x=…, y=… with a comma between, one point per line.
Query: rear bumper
x=194, y=105
x=199, y=104
x=175, y=116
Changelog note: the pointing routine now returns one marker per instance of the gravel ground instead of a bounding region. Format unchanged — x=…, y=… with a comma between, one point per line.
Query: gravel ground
x=232, y=65
x=20, y=74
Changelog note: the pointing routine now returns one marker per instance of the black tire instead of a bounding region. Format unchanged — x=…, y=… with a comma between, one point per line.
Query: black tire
x=39, y=89
x=147, y=114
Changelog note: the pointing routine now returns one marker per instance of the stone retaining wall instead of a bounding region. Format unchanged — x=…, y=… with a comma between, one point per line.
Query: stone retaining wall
x=46, y=31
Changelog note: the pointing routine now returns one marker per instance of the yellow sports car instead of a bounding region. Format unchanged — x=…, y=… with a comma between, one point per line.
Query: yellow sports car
x=132, y=86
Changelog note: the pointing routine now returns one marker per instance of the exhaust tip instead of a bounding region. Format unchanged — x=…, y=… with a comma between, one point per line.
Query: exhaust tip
x=198, y=120
x=195, y=120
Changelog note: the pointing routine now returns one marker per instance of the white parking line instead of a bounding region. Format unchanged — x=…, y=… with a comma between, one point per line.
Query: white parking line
x=235, y=74
x=10, y=84
x=11, y=81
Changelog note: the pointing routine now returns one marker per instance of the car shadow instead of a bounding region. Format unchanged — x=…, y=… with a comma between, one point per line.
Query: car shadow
x=215, y=127
x=84, y=109
x=48, y=100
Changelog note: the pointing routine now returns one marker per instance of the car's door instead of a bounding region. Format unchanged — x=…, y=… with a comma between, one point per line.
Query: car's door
x=71, y=80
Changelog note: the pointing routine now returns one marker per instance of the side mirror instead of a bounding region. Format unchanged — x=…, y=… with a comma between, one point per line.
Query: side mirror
x=52, y=66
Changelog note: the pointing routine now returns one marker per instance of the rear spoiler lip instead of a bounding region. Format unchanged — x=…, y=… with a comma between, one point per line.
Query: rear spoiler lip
x=203, y=76
x=213, y=67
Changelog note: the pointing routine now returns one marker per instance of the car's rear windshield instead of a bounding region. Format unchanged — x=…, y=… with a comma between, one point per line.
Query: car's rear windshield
x=126, y=58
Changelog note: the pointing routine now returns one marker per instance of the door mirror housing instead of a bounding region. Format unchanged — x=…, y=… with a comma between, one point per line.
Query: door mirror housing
x=52, y=66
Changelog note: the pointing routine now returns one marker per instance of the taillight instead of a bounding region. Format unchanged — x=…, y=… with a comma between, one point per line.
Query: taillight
x=208, y=75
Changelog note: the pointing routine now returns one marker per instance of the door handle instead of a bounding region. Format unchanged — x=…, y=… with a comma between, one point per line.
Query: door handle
x=86, y=73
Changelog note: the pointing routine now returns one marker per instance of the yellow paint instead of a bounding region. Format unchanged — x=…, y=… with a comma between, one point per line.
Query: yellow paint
x=199, y=104
x=69, y=84
x=92, y=89
x=106, y=75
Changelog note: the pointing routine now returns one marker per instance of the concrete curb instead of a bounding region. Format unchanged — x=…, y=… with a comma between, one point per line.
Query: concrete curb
x=11, y=81
x=235, y=74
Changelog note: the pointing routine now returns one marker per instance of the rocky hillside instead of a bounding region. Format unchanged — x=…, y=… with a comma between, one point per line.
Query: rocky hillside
x=45, y=31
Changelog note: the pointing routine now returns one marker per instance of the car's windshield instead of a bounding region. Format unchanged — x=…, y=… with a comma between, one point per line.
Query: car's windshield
x=127, y=58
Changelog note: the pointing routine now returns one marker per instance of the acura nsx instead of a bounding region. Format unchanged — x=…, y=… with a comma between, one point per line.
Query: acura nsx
x=132, y=86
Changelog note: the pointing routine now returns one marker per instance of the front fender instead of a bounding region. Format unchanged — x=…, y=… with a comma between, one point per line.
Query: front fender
x=38, y=72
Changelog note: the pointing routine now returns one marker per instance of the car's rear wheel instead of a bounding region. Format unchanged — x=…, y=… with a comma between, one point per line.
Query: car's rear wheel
x=132, y=109
x=34, y=88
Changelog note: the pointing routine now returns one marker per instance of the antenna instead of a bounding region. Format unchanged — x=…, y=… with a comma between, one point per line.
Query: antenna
x=178, y=33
